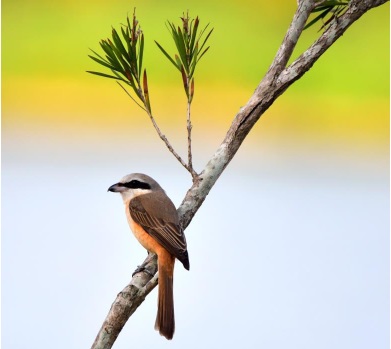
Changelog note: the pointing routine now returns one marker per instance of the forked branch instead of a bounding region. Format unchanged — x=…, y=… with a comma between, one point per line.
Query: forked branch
x=278, y=78
x=124, y=57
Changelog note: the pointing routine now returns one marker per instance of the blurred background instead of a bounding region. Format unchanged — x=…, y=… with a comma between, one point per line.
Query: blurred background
x=290, y=248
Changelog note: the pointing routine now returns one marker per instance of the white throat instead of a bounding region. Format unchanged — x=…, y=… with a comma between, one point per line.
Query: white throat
x=132, y=193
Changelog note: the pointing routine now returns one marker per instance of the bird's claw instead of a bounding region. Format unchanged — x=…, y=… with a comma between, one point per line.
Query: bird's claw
x=142, y=268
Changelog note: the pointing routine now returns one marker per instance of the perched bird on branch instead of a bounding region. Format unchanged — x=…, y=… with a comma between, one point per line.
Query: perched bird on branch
x=154, y=221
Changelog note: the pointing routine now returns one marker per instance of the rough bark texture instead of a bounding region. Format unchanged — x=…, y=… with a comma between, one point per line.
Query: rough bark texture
x=125, y=305
x=277, y=79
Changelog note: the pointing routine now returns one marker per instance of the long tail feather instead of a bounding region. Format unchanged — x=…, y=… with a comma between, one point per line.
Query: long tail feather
x=165, y=319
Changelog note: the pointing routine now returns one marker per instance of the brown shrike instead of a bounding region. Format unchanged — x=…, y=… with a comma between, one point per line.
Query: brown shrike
x=154, y=221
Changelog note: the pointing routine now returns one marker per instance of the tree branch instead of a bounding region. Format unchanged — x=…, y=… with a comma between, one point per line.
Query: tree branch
x=291, y=38
x=125, y=305
x=276, y=81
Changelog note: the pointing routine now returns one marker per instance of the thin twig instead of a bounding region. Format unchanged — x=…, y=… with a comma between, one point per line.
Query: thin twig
x=168, y=144
x=189, y=127
x=189, y=151
x=188, y=167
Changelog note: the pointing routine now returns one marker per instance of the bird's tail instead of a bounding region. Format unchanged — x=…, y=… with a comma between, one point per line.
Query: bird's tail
x=165, y=319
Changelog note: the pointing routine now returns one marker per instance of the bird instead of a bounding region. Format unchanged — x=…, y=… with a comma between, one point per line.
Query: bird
x=154, y=221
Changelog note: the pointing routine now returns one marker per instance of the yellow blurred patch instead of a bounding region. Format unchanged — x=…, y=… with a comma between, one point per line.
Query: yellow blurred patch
x=95, y=103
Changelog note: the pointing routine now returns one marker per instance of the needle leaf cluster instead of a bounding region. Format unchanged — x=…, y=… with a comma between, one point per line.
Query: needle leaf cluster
x=190, y=42
x=123, y=55
x=329, y=10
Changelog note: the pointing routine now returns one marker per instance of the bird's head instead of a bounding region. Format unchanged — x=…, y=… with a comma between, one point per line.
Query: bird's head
x=135, y=184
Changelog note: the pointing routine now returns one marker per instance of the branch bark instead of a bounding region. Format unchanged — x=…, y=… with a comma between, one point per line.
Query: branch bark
x=277, y=79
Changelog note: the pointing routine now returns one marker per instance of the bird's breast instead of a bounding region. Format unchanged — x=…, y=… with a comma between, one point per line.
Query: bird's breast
x=146, y=240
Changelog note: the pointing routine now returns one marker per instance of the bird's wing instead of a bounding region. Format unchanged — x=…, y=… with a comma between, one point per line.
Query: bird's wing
x=169, y=234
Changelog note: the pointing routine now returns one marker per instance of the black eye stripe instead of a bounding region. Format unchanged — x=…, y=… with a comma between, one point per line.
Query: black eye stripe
x=135, y=184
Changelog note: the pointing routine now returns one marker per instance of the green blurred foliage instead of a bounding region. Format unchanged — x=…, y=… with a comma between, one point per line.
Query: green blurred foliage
x=52, y=38
x=46, y=44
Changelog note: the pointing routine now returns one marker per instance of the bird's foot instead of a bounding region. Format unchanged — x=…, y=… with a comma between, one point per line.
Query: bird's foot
x=142, y=268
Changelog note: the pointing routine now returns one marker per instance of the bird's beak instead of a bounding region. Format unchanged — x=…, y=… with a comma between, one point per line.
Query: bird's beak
x=115, y=188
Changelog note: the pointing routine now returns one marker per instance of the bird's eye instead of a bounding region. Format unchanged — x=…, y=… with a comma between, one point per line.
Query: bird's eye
x=135, y=184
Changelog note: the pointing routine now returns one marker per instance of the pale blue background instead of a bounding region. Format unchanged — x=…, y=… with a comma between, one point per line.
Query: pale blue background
x=289, y=250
